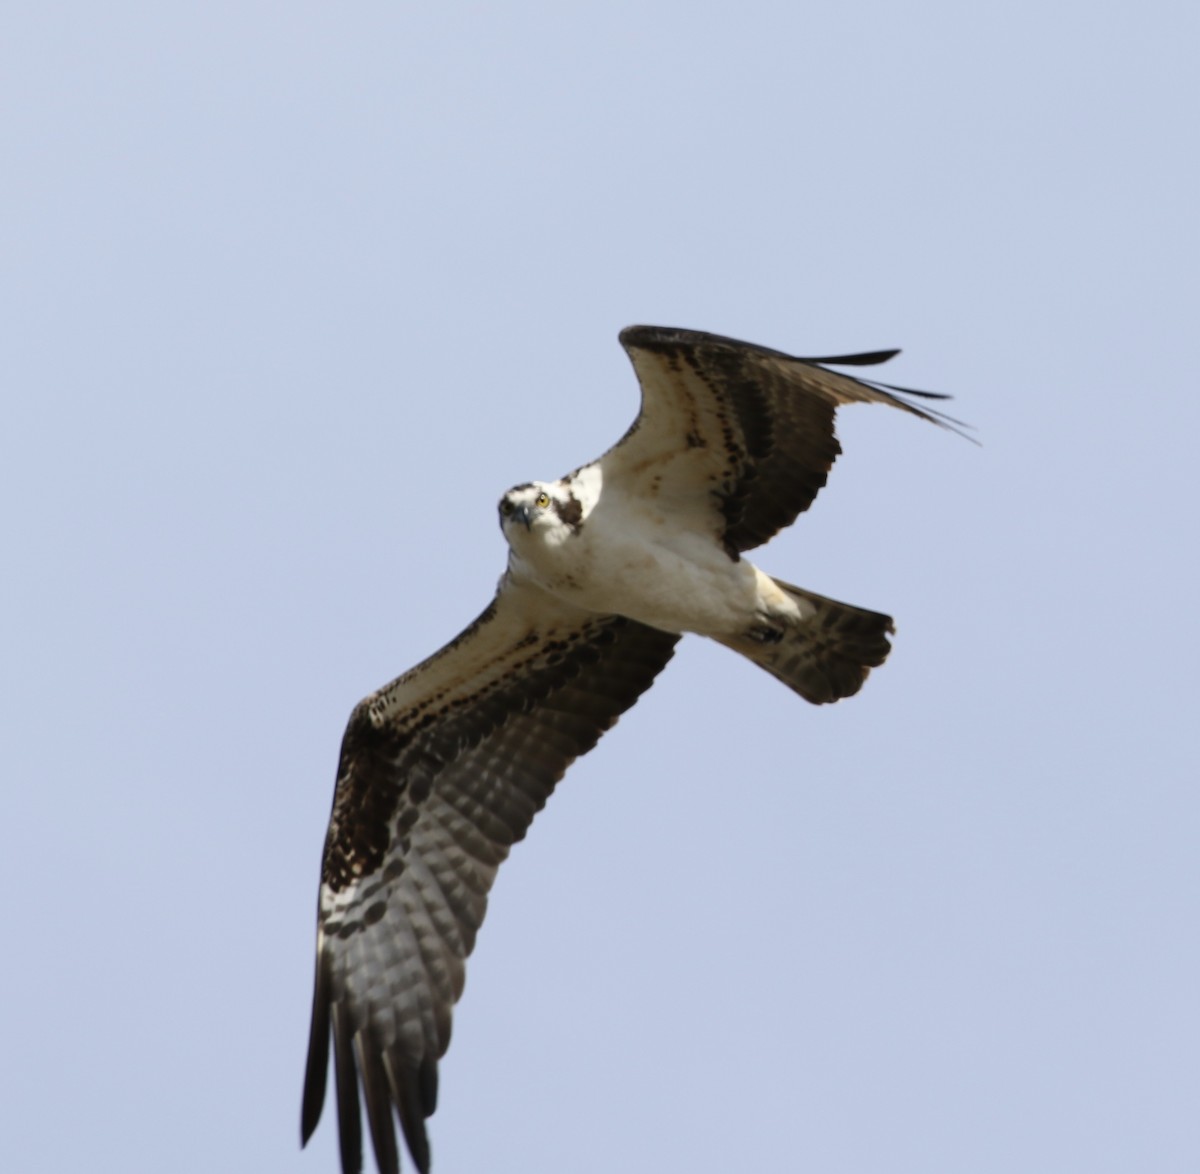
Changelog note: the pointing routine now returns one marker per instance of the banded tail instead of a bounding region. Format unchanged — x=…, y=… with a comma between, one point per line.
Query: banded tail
x=824, y=657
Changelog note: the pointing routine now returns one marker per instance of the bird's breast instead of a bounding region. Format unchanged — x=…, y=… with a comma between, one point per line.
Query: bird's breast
x=665, y=585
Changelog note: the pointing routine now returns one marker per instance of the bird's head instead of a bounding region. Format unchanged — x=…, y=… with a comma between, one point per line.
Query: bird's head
x=547, y=511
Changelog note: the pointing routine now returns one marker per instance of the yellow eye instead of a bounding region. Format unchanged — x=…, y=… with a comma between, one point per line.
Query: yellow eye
x=543, y=500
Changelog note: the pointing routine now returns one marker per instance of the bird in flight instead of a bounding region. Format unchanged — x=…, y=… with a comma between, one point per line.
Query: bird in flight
x=443, y=770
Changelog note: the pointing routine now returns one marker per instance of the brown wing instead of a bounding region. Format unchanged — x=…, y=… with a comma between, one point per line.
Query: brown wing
x=739, y=434
x=440, y=773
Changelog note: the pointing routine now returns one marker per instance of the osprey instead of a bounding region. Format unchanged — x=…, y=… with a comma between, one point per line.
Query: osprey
x=444, y=769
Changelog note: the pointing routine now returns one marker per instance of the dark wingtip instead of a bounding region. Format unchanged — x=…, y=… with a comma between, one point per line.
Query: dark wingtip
x=866, y=359
x=950, y=423
x=415, y=1094
x=912, y=390
x=310, y=1110
x=417, y=1141
x=317, y=1067
x=349, y=1122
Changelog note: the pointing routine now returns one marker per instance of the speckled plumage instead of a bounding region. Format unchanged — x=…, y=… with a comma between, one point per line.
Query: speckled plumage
x=442, y=770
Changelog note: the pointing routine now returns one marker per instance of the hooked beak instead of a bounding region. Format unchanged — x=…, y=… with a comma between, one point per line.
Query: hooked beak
x=521, y=514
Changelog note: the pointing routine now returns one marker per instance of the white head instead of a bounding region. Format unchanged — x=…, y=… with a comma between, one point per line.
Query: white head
x=549, y=513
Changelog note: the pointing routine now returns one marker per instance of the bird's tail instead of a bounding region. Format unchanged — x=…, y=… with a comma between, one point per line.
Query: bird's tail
x=823, y=656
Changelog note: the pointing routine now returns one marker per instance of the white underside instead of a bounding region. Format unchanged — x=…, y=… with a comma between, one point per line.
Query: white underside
x=632, y=560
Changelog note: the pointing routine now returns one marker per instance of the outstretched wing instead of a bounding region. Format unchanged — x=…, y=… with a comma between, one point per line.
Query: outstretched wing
x=738, y=435
x=440, y=773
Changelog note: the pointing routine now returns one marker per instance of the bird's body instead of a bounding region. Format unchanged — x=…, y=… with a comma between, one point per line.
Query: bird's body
x=626, y=557
x=443, y=770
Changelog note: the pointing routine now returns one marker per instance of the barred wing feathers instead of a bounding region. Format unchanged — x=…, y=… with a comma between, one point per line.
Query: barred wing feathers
x=440, y=773
x=739, y=435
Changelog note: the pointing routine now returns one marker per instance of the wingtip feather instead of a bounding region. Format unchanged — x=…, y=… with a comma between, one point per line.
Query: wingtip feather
x=349, y=1123
x=317, y=1066
x=865, y=359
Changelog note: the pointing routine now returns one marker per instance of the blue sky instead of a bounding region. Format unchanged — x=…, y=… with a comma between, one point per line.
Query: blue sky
x=292, y=292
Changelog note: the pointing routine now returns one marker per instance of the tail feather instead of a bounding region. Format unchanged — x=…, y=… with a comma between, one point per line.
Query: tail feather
x=825, y=656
